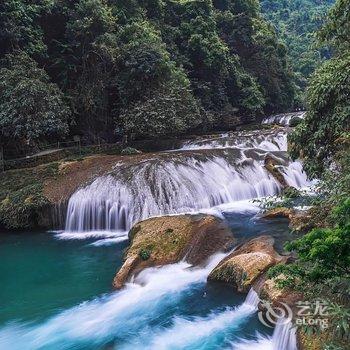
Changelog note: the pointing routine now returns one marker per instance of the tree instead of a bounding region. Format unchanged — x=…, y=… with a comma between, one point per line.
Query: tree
x=327, y=122
x=19, y=26
x=31, y=107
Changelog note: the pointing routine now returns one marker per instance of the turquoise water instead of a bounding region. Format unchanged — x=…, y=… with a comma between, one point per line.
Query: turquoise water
x=56, y=294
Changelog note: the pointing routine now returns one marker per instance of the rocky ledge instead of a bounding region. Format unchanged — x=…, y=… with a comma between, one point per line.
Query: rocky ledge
x=247, y=263
x=168, y=239
x=299, y=220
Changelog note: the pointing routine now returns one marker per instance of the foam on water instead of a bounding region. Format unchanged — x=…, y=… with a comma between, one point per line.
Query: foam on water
x=176, y=183
x=198, y=332
x=266, y=140
x=123, y=313
x=284, y=119
x=91, y=235
x=283, y=338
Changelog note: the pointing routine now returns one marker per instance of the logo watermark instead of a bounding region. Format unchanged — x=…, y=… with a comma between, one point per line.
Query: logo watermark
x=304, y=313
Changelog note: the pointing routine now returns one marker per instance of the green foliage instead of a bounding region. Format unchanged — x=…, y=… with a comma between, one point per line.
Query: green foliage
x=129, y=151
x=31, y=107
x=296, y=22
x=327, y=121
x=336, y=32
x=21, y=196
x=20, y=26
x=145, y=254
x=147, y=68
x=323, y=270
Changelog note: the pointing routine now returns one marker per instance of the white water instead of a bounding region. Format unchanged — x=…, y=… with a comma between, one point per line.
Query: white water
x=177, y=182
x=123, y=313
x=267, y=140
x=198, y=332
x=283, y=338
x=284, y=119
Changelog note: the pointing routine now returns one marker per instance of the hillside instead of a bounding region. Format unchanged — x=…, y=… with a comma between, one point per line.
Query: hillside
x=297, y=22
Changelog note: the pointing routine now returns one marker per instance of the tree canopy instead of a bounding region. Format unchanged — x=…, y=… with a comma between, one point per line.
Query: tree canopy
x=125, y=65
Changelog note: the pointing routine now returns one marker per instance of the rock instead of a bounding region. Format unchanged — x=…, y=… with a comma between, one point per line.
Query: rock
x=279, y=212
x=299, y=220
x=168, y=239
x=247, y=263
x=271, y=165
x=270, y=292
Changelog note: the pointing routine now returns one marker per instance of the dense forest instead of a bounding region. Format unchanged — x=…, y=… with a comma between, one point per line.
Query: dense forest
x=106, y=68
x=297, y=22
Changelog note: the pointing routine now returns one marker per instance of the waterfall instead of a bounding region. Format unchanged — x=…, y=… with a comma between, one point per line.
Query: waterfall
x=284, y=336
x=284, y=119
x=267, y=140
x=183, y=181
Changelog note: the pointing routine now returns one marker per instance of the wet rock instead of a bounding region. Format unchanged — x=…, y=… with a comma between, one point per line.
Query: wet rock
x=247, y=263
x=168, y=239
x=271, y=165
x=279, y=212
x=272, y=293
x=299, y=220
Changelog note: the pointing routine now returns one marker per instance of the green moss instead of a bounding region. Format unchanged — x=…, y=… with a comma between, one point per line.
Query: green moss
x=21, y=195
x=145, y=254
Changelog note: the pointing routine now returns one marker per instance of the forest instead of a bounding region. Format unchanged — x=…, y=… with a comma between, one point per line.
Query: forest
x=206, y=73
x=105, y=69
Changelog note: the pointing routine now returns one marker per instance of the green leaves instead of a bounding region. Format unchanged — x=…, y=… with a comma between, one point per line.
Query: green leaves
x=31, y=107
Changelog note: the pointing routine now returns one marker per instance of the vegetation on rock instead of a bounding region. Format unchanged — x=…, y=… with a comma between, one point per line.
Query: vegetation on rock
x=168, y=239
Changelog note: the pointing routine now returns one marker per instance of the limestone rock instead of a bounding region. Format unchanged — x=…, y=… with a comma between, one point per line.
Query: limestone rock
x=168, y=239
x=247, y=263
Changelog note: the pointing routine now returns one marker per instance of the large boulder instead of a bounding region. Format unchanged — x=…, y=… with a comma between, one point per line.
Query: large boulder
x=247, y=264
x=168, y=239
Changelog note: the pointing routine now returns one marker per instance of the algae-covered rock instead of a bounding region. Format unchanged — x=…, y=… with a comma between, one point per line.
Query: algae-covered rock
x=271, y=292
x=168, y=239
x=247, y=263
x=272, y=166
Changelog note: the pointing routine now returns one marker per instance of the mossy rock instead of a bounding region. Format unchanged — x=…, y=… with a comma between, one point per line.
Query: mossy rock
x=168, y=239
x=247, y=263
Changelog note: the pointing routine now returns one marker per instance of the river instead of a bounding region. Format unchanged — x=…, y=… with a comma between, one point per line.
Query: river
x=56, y=286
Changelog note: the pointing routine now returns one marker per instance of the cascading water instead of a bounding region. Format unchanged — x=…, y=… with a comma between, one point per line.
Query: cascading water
x=283, y=338
x=284, y=119
x=183, y=181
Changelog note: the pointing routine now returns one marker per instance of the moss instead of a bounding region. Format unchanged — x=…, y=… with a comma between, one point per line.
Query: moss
x=145, y=254
x=21, y=196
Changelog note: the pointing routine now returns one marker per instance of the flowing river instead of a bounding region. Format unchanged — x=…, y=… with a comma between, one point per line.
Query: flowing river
x=56, y=287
